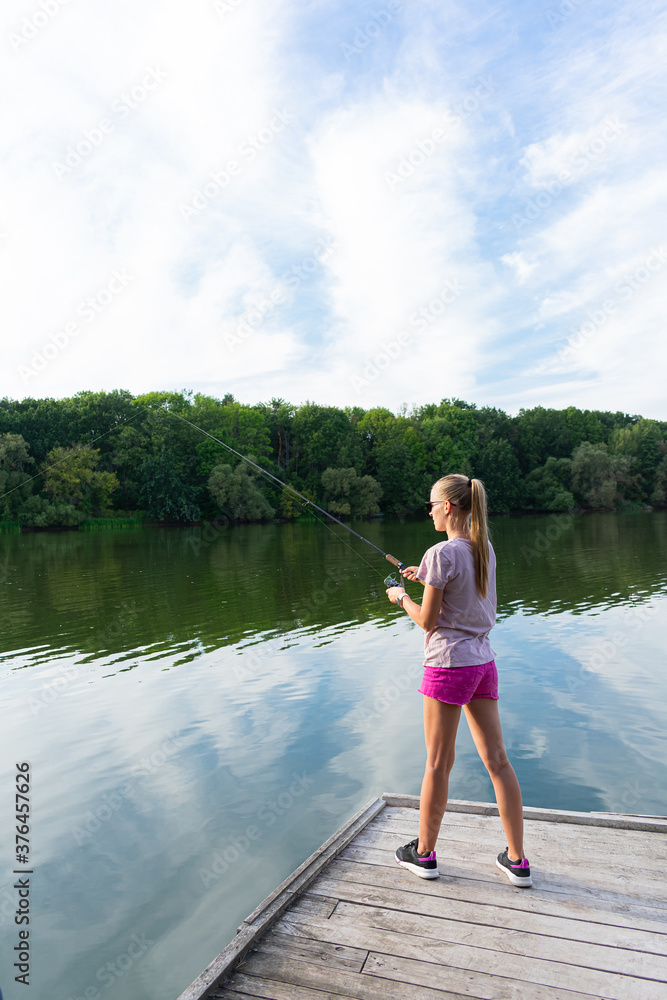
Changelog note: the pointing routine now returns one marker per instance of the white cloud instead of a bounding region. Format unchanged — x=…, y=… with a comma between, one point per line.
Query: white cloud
x=403, y=246
x=411, y=208
x=522, y=267
x=569, y=157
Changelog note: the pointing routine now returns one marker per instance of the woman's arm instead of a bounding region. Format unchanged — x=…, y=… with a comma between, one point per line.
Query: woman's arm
x=425, y=614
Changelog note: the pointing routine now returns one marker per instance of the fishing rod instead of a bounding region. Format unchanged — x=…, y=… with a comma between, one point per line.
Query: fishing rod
x=307, y=501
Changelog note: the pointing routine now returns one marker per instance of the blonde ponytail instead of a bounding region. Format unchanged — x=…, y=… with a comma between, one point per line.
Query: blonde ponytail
x=469, y=496
x=479, y=535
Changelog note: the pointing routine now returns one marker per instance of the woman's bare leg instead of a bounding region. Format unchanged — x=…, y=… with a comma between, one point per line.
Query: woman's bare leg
x=440, y=724
x=486, y=731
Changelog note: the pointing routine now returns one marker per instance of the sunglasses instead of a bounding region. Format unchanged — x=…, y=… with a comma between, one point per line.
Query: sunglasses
x=430, y=504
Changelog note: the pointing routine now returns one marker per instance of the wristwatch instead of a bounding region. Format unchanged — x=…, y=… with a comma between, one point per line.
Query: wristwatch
x=399, y=599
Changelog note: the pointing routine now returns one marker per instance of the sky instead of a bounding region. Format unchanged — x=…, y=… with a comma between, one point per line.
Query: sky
x=360, y=204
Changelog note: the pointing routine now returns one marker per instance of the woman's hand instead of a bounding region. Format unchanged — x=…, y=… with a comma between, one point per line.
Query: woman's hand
x=393, y=593
x=425, y=614
x=410, y=573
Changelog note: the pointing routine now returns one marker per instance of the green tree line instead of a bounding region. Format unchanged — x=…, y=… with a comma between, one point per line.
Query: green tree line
x=115, y=455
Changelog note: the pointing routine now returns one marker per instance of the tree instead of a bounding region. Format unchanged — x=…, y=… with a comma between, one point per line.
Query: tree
x=44, y=423
x=451, y=434
x=404, y=453
x=71, y=477
x=15, y=485
x=163, y=493
x=644, y=443
x=500, y=472
x=237, y=494
x=244, y=428
x=398, y=461
x=346, y=492
x=659, y=495
x=91, y=415
x=541, y=433
x=147, y=438
x=549, y=487
x=40, y=513
x=368, y=493
x=447, y=448
x=598, y=477
x=376, y=426
x=492, y=423
x=291, y=506
x=279, y=416
x=50, y=423
x=323, y=437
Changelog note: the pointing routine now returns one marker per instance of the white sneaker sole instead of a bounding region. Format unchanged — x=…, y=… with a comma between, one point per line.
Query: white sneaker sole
x=524, y=882
x=421, y=872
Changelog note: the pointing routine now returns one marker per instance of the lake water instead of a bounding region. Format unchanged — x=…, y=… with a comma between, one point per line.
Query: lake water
x=202, y=708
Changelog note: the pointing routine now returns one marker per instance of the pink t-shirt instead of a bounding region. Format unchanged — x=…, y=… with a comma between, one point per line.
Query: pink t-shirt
x=461, y=635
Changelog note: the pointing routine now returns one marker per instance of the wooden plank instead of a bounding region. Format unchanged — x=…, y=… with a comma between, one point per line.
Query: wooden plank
x=547, y=973
x=507, y=942
x=358, y=988
x=574, y=855
x=455, y=805
x=594, y=910
x=277, y=902
x=617, y=844
x=608, y=820
x=316, y=905
x=488, y=813
x=547, y=883
x=625, y=843
x=404, y=822
x=340, y=983
x=587, y=927
x=577, y=882
x=595, y=812
x=270, y=989
x=488, y=987
x=634, y=882
x=621, y=821
x=334, y=956
x=401, y=981
x=273, y=990
x=495, y=915
x=609, y=864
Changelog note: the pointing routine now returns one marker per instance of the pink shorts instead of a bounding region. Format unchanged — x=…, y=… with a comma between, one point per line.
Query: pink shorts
x=459, y=685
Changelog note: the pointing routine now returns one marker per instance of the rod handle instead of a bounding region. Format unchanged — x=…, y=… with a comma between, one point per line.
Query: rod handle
x=395, y=561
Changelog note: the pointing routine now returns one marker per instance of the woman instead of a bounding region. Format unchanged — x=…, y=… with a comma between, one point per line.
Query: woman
x=457, y=613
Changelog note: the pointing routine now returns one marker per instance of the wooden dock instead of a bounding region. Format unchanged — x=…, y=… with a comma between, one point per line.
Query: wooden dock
x=350, y=922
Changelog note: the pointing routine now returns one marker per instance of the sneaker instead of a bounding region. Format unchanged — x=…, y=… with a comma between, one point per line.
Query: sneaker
x=425, y=865
x=518, y=872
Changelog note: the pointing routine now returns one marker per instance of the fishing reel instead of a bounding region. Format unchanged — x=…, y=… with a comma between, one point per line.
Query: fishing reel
x=391, y=581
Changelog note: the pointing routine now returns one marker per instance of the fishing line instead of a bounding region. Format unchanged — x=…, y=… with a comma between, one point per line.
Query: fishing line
x=306, y=500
